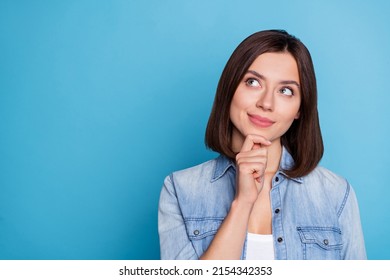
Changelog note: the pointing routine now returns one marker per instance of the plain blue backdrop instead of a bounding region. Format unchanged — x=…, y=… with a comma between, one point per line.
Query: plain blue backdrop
x=100, y=100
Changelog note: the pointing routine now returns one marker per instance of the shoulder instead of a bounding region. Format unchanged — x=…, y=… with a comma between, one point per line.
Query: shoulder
x=328, y=184
x=326, y=176
x=203, y=170
x=189, y=178
x=203, y=180
x=206, y=189
x=206, y=172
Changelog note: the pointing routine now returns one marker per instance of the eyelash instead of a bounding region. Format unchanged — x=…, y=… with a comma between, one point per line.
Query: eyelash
x=290, y=89
x=250, y=79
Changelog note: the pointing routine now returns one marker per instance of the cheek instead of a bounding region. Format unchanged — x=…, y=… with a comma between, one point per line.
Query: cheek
x=236, y=105
x=289, y=112
x=242, y=100
x=290, y=107
x=297, y=110
x=294, y=113
x=234, y=112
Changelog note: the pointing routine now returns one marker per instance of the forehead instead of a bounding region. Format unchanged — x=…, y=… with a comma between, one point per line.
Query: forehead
x=280, y=65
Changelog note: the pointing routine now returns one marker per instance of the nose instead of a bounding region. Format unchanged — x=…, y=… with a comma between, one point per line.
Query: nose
x=266, y=100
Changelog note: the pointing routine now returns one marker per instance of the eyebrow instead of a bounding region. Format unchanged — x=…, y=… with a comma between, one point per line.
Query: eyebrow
x=284, y=82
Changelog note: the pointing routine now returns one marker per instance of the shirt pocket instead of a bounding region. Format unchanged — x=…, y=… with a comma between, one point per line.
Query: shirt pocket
x=201, y=232
x=320, y=243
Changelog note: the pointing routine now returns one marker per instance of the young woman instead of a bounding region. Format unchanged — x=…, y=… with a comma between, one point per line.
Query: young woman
x=264, y=197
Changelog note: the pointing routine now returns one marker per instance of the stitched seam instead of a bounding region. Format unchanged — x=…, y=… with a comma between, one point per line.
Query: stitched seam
x=217, y=177
x=344, y=200
x=204, y=219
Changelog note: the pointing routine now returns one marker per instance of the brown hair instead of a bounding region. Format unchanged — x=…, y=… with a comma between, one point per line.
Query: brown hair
x=303, y=139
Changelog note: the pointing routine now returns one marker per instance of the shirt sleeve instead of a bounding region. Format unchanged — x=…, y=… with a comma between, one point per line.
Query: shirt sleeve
x=174, y=241
x=352, y=233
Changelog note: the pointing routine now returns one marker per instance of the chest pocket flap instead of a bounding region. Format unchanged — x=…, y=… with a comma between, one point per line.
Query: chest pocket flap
x=201, y=232
x=200, y=228
x=328, y=238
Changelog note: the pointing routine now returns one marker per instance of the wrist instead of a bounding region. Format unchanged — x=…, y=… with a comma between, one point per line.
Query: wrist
x=242, y=205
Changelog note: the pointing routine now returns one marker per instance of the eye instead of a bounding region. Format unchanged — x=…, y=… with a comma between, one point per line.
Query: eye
x=286, y=91
x=252, y=82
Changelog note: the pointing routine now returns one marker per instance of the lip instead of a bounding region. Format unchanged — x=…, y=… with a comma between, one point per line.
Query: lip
x=260, y=121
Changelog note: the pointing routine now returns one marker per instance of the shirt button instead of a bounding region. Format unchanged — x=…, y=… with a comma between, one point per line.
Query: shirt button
x=326, y=241
x=277, y=210
x=276, y=179
x=196, y=232
x=280, y=240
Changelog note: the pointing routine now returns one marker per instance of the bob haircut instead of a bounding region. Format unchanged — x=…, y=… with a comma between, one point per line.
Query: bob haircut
x=303, y=139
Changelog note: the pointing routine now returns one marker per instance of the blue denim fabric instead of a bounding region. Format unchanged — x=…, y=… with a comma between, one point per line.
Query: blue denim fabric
x=313, y=217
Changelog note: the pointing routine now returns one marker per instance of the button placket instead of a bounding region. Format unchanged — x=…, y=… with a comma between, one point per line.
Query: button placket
x=277, y=223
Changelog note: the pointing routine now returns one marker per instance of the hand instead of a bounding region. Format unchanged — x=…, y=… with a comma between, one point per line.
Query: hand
x=251, y=162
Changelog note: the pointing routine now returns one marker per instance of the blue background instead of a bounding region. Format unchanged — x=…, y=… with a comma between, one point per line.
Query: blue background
x=100, y=100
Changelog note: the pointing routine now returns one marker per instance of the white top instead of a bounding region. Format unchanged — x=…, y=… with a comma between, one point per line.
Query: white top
x=260, y=247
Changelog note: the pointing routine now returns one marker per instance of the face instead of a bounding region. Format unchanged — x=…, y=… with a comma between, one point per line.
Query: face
x=267, y=100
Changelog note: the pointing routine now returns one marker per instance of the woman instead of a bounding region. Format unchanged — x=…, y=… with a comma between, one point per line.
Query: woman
x=264, y=197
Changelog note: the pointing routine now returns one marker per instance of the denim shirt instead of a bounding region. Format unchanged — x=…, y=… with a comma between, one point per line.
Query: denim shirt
x=313, y=217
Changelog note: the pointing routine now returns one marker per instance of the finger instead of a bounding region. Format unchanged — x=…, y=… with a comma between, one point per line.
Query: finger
x=259, y=177
x=248, y=161
x=251, y=159
x=253, y=168
x=256, y=153
x=251, y=140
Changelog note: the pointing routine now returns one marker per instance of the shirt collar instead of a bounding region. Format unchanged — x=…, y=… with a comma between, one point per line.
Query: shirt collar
x=223, y=164
x=286, y=163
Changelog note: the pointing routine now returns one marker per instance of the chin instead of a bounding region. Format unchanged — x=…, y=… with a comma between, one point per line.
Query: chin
x=261, y=133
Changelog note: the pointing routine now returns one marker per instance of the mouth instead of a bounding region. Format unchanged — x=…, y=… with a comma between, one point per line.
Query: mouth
x=260, y=121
